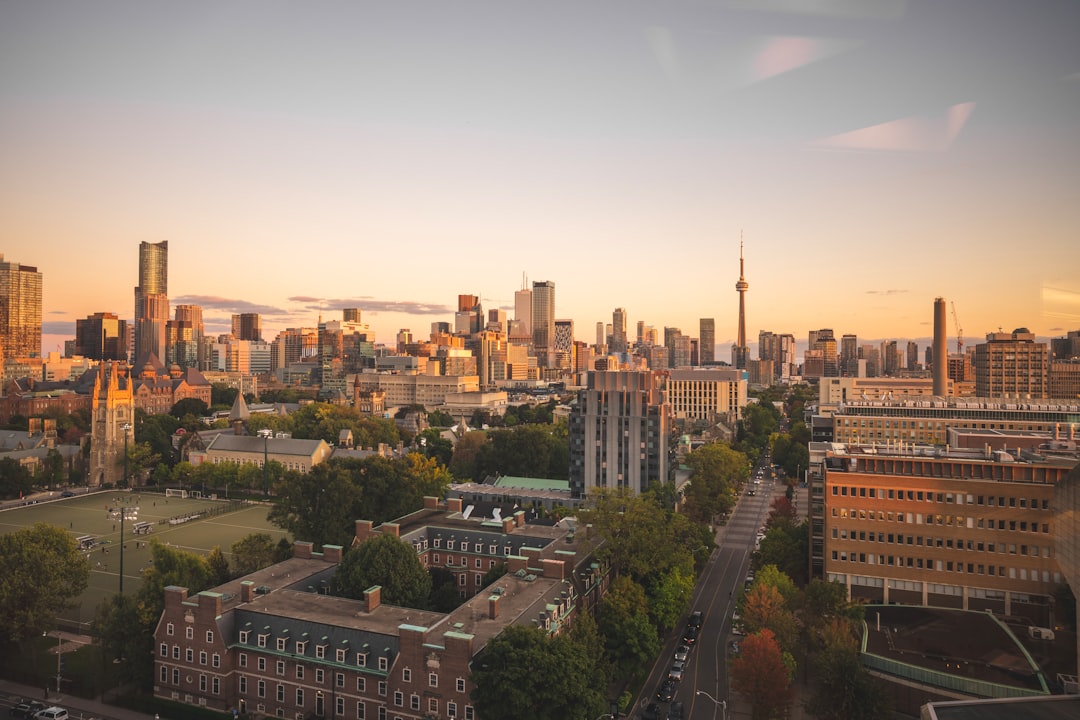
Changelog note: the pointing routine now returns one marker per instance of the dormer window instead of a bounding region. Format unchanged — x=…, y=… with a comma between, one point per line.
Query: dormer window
x=361, y=659
x=262, y=639
x=464, y=546
x=449, y=544
x=281, y=644
x=301, y=647
x=320, y=651
x=244, y=635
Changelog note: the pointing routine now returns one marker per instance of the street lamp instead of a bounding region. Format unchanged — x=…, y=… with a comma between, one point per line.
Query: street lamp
x=266, y=433
x=722, y=704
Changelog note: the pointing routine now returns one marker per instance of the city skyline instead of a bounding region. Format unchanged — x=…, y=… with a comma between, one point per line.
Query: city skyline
x=874, y=156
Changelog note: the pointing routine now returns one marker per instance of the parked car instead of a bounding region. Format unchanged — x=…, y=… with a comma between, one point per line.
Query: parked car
x=666, y=691
x=51, y=713
x=27, y=709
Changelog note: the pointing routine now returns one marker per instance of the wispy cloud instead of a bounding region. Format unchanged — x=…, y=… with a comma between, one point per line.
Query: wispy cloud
x=214, y=302
x=885, y=292
x=58, y=327
x=370, y=305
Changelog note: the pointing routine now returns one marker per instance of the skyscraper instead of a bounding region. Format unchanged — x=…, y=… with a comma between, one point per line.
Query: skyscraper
x=739, y=351
x=101, y=336
x=152, y=299
x=20, y=310
x=1012, y=365
x=849, y=355
x=247, y=326
x=522, y=313
x=707, y=347
x=618, y=330
x=543, y=316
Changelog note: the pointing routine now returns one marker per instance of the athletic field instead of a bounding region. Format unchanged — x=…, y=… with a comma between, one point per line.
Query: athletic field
x=94, y=515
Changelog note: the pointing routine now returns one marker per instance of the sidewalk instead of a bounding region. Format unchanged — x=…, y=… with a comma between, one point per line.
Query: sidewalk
x=79, y=708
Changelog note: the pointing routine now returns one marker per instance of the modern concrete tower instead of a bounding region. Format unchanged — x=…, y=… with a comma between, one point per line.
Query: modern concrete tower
x=739, y=351
x=152, y=299
x=941, y=353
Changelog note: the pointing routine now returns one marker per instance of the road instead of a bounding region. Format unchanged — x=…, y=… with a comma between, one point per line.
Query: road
x=715, y=595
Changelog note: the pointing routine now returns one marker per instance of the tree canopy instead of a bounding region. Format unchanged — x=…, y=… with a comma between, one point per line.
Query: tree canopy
x=761, y=675
x=715, y=473
x=390, y=563
x=43, y=572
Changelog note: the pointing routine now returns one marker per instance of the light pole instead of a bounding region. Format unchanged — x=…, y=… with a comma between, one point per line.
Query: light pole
x=266, y=432
x=126, y=427
x=722, y=704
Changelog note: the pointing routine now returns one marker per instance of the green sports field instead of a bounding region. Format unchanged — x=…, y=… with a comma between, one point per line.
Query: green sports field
x=93, y=514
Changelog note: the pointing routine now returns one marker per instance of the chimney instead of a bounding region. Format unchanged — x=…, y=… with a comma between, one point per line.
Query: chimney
x=453, y=504
x=332, y=553
x=493, y=606
x=210, y=603
x=519, y=518
x=391, y=529
x=431, y=503
x=372, y=598
x=508, y=525
x=247, y=591
x=363, y=530
x=941, y=351
x=302, y=549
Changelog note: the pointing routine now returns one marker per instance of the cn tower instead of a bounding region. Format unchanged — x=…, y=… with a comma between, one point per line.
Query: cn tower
x=739, y=351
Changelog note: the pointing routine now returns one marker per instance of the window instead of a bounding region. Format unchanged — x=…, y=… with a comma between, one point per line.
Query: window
x=320, y=676
x=241, y=659
x=299, y=672
x=360, y=711
x=243, y=685
x=399, y=698
x=280, y=667
x=261, y=689
x=164, y=652
x=176, y=676
x=414, y=701
x=406, y=675
x=202, y=657
x=383, y=663
x=361, y=685
x=339, y=680
x=244, y=634
x=320, y=651
x=469, y=714
x=459, y=685
x=433, y=705
x=215, y=660
x=175, y=652
x=262, y=664
x=301, y=647
x=382, y=688
x=361, y=659
x=339, y=655
x=189, y=655
x=164, y=674
x=209, y=636
x=189, y=633
x=215, y=686
x=433, y=680
x=451, y=709
x=339, y=706
x=281, y=644
x=170, y=629
x=262, y=640
x=300, y=697
x=202, y=683
x=280, y=693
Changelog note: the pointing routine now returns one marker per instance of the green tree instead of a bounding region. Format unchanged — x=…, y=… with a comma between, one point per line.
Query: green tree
x=53, y=471
x=715, y=472
x=464, y=462
x=43, y=572
x=844, y=689
x=523, y=672
x=788, y=548
x=669, y=596
x=189, y=406
x=319, y=507
x=121, y=630
x=439, y=419
x=432, y=444
x=218, y=566
x=252, y=552
x=15, y=480
x=630, y=637
x=390, y=563
x=760, y=675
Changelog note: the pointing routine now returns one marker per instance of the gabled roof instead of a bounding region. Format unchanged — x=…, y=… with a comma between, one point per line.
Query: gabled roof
x=255, y=444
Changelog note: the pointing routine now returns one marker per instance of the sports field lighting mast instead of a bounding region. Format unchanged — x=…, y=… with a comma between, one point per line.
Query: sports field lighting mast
x=266, y=433
x=126, y=511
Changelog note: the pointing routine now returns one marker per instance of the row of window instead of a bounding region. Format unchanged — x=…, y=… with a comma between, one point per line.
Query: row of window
x=959, y=521
x=300, y=695
x=189, y=632
x=941, y=497
x=300, y=648
x=942, y=542
x=189, y=655
x=214, y=684
x=918, y=563
x=260, y=661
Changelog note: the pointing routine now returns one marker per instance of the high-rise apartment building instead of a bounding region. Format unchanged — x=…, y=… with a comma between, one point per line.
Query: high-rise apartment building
x=351, y=315
x=707, y=344
x=247, y=326
x=912, y=355
x=152, y=300
x=1012, y=365
x=564, y=344
x=619, y=433
x=824, y=341
x=101, y=336
x=543, y=316
x=20, y=310
x=618, y=330
x=890, y=351
x=779, y=349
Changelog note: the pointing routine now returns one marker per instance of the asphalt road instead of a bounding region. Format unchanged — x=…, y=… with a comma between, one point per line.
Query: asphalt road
x=715, y=597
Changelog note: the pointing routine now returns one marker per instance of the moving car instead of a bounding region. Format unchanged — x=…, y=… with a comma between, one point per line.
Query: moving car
x=690, y=636
x=51, y=713
x=666, y=691
x=682, y=652
x=677, y=711
x=696, y=618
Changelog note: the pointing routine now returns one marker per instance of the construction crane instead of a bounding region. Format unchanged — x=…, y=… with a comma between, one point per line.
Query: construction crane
x=959, y=331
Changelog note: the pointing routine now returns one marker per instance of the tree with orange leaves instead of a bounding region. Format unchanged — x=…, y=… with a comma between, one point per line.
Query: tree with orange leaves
x=764, y=609
x=761, y=675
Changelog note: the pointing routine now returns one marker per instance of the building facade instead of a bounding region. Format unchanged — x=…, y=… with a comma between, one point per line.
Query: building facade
x=20, y=310
x=1012, y=365
x=710, y=394
x=620, y=432
x=152, y=300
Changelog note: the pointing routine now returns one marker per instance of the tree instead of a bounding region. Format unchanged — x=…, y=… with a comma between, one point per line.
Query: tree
x=218, y=565
x=523, y=672
x=844, y=689
x=320, y=507
x=120, y=630
x=390, y=563
x=715, y=471
x=463, y=463
x=669, y=596
x=252, y=552
x=43, y=572
x=764, y=609
x=189, y=406
x=760, y=675
x=15, y=480
x=630, y=637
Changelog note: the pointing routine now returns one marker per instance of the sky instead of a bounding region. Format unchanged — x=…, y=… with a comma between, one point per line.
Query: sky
x=302, y=157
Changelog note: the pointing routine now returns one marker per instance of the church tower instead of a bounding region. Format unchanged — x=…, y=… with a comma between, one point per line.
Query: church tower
x=112, y=408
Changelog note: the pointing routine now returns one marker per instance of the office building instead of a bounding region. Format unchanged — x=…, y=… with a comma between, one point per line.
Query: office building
x=707, y=341
x=619, y=433
x=152, y=300
x=1065, y=378
x=522, y=314
x=779, y=349
x=543, y=317
x=1012, y=365
x=101, y=336
x=247, y=326
x=20, y=311
x=912, y=355
x=893, y=361
x=957, y=529
x=849, y=355
x=711, y=394
x=619, y=342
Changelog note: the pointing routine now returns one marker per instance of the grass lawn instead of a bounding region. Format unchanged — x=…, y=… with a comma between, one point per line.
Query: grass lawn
x=93, y=515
